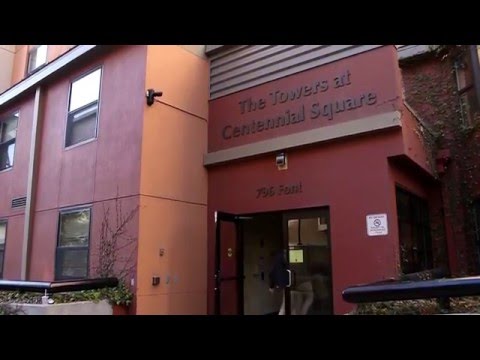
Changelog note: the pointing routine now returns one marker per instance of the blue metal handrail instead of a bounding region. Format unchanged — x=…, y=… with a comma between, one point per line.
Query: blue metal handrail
x=411, y=290
x=57, y=286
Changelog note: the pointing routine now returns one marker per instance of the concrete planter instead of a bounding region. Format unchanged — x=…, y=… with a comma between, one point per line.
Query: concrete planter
x=75, y=308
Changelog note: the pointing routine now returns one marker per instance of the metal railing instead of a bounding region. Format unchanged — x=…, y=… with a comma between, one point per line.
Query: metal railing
x=412, y=290
x=414, y=287
x=57, y=286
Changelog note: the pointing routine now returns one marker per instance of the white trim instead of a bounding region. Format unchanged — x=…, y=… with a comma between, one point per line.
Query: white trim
x=407, y=51
x=65, y=147
x=31, y=184
x=34, y=80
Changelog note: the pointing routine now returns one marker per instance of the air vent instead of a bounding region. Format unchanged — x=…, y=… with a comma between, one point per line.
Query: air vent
x=19, y=202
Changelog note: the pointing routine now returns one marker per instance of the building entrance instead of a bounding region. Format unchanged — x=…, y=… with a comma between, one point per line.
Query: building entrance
x=273, y=263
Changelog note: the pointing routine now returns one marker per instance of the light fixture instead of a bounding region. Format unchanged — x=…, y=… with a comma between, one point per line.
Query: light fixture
x=151, y=95
x=281, y=161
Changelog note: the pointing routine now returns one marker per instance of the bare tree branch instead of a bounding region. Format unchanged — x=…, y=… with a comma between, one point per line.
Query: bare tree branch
x=114, y=241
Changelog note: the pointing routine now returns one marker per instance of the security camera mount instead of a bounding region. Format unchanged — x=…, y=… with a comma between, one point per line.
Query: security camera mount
x=151, y=95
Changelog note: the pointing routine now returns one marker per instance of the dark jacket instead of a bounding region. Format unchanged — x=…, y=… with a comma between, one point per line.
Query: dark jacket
x=278, y=276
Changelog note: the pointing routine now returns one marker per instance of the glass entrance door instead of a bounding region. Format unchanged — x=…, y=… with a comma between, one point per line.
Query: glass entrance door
x=307, y=240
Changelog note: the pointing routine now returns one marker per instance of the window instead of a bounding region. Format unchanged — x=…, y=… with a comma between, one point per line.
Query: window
x=414, y=233
x=476, y=223
x=461, y=75
x=36, y=58
x=465, y=111
x=73, y=244
x=3, y=235
x=465, y=91
x=83, y=109
x=8, y=135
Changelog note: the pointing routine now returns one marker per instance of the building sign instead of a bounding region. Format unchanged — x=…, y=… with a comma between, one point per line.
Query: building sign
x=359, y=86
x=299, y=111
x=278, y=190
x=377, y=225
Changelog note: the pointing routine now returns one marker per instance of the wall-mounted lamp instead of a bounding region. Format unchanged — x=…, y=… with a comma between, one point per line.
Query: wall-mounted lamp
x=151, y=95
x=281, y=161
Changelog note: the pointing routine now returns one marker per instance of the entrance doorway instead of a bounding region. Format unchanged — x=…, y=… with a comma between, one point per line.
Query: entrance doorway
x=249, y=247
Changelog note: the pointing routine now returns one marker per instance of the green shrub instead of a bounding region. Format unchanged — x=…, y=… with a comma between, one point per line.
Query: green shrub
x=419, y=307
x=119, y=295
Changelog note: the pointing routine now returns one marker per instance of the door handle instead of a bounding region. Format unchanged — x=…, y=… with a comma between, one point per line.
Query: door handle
x=289, y=278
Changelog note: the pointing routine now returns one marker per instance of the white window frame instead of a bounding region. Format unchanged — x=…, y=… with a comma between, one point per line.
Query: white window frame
x=88, y=109
x=2, y=252
x=11, y=141
x=38, y=65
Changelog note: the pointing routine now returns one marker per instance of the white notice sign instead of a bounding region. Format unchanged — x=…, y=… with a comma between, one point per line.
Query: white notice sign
x=377, y=225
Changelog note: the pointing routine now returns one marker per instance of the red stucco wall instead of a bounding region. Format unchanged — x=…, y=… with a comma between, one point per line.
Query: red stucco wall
x=86, y=174
x=92, y=172
x=13, y=184
x=13, y=181
x=352, y=176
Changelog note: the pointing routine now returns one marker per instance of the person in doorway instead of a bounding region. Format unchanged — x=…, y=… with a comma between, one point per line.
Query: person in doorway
x=278, y=276
x=302, y=297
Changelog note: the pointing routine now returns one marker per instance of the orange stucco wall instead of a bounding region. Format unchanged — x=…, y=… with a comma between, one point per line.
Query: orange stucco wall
x=7, y=54
x=19, y=63
x=92, y=173
x=21, y=57
x=173, y=185
x=55, y=51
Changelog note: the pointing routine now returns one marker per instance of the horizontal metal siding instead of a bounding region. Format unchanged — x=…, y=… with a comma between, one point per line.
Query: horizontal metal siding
x=244, y=66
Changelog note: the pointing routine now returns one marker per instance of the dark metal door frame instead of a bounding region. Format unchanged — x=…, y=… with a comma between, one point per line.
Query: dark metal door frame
x=220, y=217
x=287, y=296
x=237, y=220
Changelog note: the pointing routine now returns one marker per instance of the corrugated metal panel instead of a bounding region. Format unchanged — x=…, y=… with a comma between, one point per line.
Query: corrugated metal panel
x=244, y=66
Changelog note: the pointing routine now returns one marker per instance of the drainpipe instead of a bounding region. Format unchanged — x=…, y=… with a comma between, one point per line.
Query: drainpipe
x=31, y=183
x=476, y=71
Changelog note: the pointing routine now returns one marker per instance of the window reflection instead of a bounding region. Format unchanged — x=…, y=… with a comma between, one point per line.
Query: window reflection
x=85, y=90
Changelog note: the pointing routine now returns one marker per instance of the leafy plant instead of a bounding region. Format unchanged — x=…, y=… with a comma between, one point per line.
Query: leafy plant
x=116, y=255
x=7, y=297
x=76, y=296
x=432, y=91
x=120, y=295
x=419, y=307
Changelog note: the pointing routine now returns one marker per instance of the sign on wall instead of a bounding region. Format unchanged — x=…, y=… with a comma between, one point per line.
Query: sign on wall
x=326, y=95
x=296, y=256
x=377, y=225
